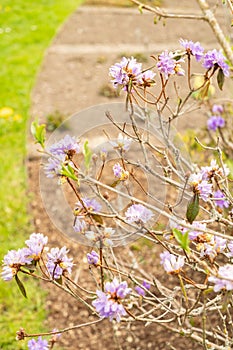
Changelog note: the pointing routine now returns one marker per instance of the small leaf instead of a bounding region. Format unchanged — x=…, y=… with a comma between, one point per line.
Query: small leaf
x=220, y=78
x=69, y=172
x=193, y=208
x=38, y=132
x=182, y=239
x=21, y=286
x=140, y=7
x=87, y=154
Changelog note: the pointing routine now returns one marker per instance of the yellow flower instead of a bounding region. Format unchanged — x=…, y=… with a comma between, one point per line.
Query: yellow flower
x=6, y=112
x=17, y=118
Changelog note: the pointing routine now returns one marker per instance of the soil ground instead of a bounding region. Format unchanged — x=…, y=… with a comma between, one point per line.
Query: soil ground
x=74, y=72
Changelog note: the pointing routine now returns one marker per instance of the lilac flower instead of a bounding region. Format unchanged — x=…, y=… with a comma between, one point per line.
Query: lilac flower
x=119, y=172
x=178, y=69
x=148, y=78
x=122, y=143
x=215, y=122
x=79, y=225
x=142, y=291
x=36, y=244
x=126, y=71
x=208, y=172
x=192, y=48
x=200, y=186
x=101, y=237
x=213, y=247
x=54, y=165
x=221, y=202
x=138, y=213
x=68, y=146
x=109, y=303
x=13, y=261
x=39, y=344
x=171, y=263
x=93, y=258
x=217, y=109
x=215, y=58
x=193, y=235
x=90, y=204
x=58, y=262
x=166, y=64
x=224, y=280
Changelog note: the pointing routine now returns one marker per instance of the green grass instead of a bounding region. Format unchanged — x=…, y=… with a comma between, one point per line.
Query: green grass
x=26, y=29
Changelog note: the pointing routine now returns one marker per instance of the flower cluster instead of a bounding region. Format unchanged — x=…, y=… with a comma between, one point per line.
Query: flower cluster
x=138, y=213
x=109, y=303
x=58, y=262
x=61, y=152
x=93, y=258
x=216, y=121
x=15, y=259
x=215, y=59
x=39, y=344
x=202, y=181
x=119, y=172
x=172, y=264
x=224, y=281
x=194, y=49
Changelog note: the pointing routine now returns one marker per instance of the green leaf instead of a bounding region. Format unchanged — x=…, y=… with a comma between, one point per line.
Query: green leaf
x=220, y=78
x=140, y=7
x=182, y=239
x=87, y=154
x=21, y=286
x=38, y=132
x=68, y=171
x=193, y=208
x=97, y=218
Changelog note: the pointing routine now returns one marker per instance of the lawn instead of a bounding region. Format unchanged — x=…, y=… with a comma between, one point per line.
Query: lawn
x=26, y=29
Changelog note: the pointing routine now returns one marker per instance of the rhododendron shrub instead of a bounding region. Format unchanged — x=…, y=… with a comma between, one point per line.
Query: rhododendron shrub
x=195, y=244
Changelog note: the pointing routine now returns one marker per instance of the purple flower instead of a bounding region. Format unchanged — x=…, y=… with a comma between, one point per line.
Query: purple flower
x=205, y=189
x=58, y=262
x=54, y=165
x=171, y=263
x=200, y=186
x=213, y=247
x=221, y=202
x=148, y=78
x=122, y=143
x=126, y=71
x=217, y=109
x=215, y=122
x=93, y=258
x=138, y=213
x=39, y=344
x=68, y=146
x=142, y=291
x=208, y=172
x=90, y=204
x=119, y=172
x=109, y=303
x=166, y=64
x=215, y=58
x=224, y=279
x=192, y=48
x=36, y=244
x=79, y=225
x=193, y=235
x=12, y=262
